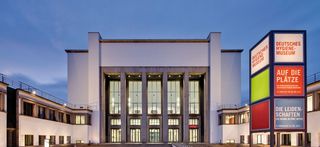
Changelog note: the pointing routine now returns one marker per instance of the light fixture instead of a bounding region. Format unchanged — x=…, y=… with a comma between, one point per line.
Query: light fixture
x=179, y=76
x=159, y=76
x=129, y=76
x=149, y=76
x=109, y=76
x=34, y=92
x=64, y=104
x=169, y=76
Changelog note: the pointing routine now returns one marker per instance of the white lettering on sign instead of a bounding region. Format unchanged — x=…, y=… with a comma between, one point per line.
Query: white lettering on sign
x=260, y=56
x=288, y=47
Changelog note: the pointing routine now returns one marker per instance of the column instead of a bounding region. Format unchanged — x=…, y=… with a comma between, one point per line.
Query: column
x=206, y=104
x=165, y=107
x=123, y=116
x=185, y=107
x=144, y=118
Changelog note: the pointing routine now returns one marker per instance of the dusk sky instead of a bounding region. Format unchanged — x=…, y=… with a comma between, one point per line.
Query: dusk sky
x=35, y=33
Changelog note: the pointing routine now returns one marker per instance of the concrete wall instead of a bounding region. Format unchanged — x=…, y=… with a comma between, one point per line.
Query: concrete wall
x=94, y=60
x=154, y=54
x=34, y=126
x=3, y=129
x=231, y=78
x=78, y=78
x=230, y=132
x=314, y=128
x=80, y=132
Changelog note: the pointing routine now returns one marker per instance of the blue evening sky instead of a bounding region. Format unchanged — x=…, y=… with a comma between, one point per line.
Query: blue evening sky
x=35, y=33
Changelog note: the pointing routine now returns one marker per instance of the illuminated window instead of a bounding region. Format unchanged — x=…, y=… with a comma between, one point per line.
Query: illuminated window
x=310, y=103
x=193, y=135
x=115, y=135
x=135, y=135
x=173, y=135
x=115, y=122
x=243, y=118
x=135, y=122
x=80, y=119
x=135, y=97
x=154, y=97
x=154, y=122
x=194, y=97
x=154, y=135
x=259, y=139
x=174, y=97
x=230, y=119
x=173, y=121
x=114, y=97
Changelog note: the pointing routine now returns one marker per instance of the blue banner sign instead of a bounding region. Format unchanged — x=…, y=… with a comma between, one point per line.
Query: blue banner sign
x=289, y=113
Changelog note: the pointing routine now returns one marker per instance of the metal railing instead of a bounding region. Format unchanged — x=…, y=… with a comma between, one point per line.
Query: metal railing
x=231, y=106
x=313, y=78
x=26, y=87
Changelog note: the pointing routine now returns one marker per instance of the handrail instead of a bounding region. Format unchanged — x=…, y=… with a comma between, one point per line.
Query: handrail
x=26, y=87
x=313, y=78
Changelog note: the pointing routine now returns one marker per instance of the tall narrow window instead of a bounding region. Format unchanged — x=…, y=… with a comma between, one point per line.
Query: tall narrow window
x=173, y=135
x=174, y=97
x=135, y=135
x=52, y=140
x=41, y=139
x=114, y=97
x=2, y=104
x=135, y=97
x=68, y=118
x=52, y=115
x=61, y=139
x=80, y=119
x=28, y=140
x=154, y=97
x=42, y=112
x=27, y=109
x=194, y=100
x=154, y=135
x=286, y=139
x=310, y=103
x=68, y=139
x=60, y=115
x=115, y=135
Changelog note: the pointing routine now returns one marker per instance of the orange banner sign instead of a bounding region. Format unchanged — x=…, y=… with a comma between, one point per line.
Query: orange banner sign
x=289, y=81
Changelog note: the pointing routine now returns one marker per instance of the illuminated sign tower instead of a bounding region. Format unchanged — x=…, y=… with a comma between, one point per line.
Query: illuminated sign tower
x=277, y=84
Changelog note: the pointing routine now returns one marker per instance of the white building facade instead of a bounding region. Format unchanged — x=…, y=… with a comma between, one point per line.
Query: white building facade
x=129, y=84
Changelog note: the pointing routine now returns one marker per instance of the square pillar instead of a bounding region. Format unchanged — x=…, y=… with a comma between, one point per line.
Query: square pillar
x=144, y=118
x=185, y=108
x=165, y=107
x=123, y=116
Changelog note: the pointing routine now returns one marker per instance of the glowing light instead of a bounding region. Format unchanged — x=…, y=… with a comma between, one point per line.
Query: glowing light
x=34, y=92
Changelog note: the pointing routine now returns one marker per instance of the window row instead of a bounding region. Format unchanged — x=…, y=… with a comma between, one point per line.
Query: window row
x=152, y=122
x=29, y=140
x=154, y=95
x=154, y=135
x=233, y=118
x=42, y=112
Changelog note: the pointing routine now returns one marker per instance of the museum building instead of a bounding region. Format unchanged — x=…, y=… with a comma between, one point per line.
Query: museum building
x=134, y=91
